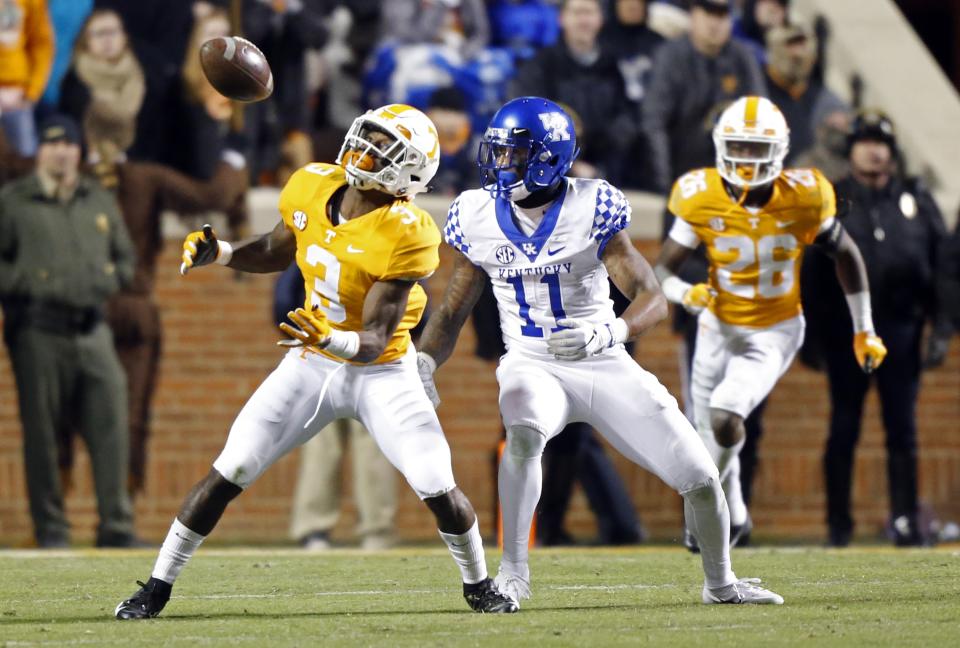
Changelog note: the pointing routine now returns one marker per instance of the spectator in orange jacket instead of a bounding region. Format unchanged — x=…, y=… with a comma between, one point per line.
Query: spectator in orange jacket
x=26, y=54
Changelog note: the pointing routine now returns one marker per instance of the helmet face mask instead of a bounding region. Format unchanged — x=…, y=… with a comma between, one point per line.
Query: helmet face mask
x=394, y=149
x=751, y=140
x=529, y=144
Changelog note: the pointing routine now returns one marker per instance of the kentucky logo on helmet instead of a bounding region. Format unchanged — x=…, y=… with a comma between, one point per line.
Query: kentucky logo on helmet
x=557, y=125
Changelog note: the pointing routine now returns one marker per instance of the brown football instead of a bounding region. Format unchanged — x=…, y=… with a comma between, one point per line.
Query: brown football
x=236, y=68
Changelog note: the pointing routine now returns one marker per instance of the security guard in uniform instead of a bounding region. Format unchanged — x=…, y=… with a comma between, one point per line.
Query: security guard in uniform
x=63, y=251
x=900, y=233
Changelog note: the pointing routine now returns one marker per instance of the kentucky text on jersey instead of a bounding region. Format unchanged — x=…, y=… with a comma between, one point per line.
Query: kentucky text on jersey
x=505, y=273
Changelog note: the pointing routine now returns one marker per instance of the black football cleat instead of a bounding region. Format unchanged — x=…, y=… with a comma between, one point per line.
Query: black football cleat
x=485, y=598
x=147, y=602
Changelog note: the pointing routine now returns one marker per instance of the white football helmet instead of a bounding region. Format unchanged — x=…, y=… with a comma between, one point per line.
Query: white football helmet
x=401, y=160
x=752, y=139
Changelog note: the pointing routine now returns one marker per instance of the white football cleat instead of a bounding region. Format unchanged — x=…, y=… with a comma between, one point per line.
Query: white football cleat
x=512, y=585
x=744, y=591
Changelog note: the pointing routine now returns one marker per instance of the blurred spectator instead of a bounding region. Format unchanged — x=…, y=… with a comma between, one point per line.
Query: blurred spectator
x=205, y=112
x=669, y=18
x=460, y=25
x=277, y=127
x=582, y=76
x=318, y=497
x=830, y=146
x=633, y=43
x=523, y=26
x=458, y=147
x=54, y=281
x=66, y=19
x=756, y=20
x=900, y=232
x=144, y=190
x=12, y=164
x=694, y=78
x=105, y=86
x=949, y=288
x=26, y=54
x=804, y=101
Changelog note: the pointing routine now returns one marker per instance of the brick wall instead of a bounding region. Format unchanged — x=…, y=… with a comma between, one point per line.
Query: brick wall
x=219, y=346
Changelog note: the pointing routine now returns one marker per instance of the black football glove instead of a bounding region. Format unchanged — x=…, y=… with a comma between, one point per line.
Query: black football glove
x=199, y=248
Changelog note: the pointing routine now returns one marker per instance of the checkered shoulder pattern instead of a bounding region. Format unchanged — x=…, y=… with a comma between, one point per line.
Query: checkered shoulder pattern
x=611, y=215
x=452, y=232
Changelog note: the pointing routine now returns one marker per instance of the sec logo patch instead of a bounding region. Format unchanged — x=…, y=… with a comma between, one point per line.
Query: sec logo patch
x=505, y=254
x=300, y=220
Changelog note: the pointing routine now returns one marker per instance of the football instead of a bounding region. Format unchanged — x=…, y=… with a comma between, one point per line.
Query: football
x=236, y=68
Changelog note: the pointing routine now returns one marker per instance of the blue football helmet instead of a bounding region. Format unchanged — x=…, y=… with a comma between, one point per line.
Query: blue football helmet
x=529, y=144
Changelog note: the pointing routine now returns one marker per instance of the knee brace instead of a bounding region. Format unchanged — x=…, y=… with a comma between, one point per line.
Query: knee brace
x=524, y=442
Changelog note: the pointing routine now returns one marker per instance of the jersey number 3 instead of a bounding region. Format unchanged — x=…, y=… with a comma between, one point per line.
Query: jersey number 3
x=326, y=287
x=769, y=270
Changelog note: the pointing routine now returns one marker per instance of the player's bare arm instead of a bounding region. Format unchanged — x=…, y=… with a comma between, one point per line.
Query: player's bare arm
x=463, y=291
x=270, y=252
x=852, y=275
x=634, y=277
x=693, y=297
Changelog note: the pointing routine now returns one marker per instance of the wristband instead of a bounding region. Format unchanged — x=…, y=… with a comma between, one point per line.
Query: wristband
x=674, y=288
x=620, y=331
x=428, y=360
x=343, y=344
x=224, y=253
x=860, y=311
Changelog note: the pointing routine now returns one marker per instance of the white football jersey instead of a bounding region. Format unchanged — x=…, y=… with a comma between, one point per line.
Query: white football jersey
x=554, y=273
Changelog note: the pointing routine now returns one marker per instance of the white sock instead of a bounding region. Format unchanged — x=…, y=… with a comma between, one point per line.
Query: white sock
x=733, y=493
x=519, y=481
x=177, y=548
x=705, y=509
x=467, y=551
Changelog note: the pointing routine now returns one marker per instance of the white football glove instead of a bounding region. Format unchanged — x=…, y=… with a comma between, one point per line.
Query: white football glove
x=426, y=365
x=579, y=339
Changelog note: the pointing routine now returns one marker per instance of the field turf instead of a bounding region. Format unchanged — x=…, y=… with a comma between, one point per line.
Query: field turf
x=411, y=597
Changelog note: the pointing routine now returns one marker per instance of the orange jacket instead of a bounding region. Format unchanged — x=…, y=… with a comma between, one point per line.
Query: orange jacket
x=26, y=47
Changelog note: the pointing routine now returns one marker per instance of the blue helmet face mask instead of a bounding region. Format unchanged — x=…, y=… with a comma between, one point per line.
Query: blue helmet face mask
x=529, y=144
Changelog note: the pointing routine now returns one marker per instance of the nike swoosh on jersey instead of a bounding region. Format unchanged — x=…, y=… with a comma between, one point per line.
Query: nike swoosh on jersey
x=559, y=249
x=782, y=224
x=353, y=250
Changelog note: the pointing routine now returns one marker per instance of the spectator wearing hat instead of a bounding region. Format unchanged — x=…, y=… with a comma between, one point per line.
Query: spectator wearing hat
x=900, y=233
x=64, y=250
x=803, y=100
x=26, y=54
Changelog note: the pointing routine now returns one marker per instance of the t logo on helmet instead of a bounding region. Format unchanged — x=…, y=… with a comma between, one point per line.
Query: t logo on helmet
x=557, y=124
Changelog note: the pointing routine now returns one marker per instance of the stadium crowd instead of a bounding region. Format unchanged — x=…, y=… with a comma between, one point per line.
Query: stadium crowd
x=118, y=84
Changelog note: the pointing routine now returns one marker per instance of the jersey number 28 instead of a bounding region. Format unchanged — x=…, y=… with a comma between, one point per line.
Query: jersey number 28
x=761, y=252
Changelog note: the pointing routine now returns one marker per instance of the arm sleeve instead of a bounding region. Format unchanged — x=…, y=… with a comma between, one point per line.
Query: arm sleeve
x=611, y=214
x=121, y=247
x=8, y=246
x=684, y=234
x=657, y=108
x=184, y=194
x=416, y=255
x=39, y=46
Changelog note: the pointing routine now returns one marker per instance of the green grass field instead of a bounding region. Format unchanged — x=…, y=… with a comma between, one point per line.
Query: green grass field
x=582, y=597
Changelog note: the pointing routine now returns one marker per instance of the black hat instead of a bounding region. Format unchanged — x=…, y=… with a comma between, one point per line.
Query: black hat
x=713, y=6
x=872, y=124
x=59, y=128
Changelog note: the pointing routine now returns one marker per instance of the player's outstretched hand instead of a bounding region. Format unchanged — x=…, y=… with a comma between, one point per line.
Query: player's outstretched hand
x=869, y=349
x=426, y=365
x=578, y=339
x=697, y=297
x=313, y=331
x=199, y=248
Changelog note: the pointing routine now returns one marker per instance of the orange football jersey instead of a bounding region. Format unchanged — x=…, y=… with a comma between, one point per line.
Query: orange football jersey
x=755, y=255
x=340, y=263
